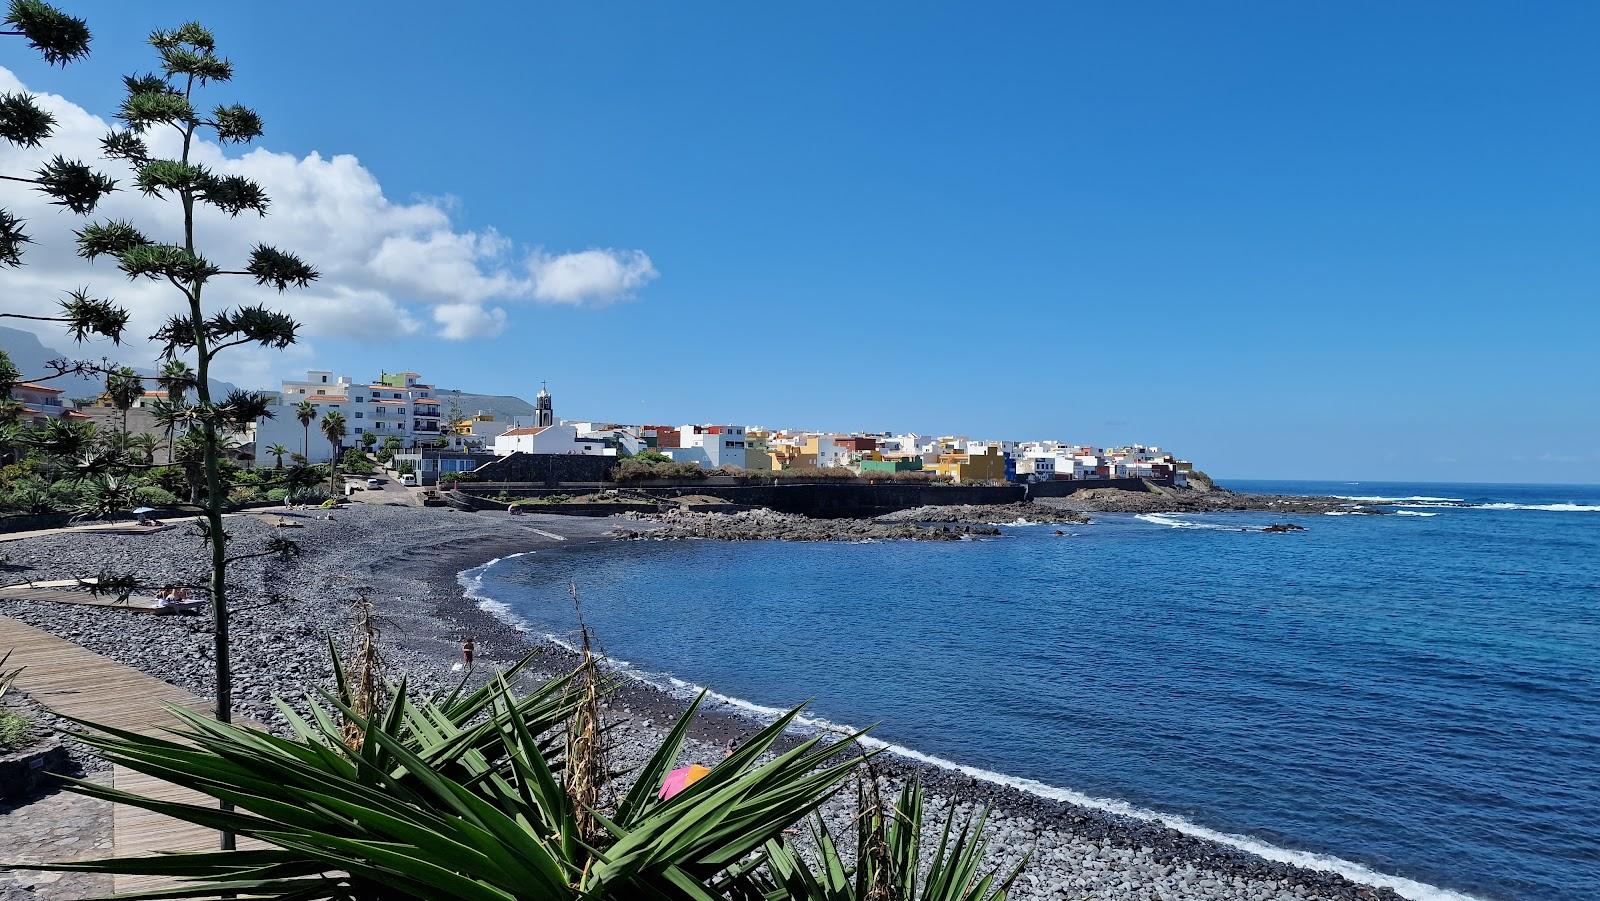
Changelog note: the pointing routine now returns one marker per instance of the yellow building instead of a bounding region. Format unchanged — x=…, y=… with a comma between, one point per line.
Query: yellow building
x=464, y=425
x=985, y=467
x=787, y=456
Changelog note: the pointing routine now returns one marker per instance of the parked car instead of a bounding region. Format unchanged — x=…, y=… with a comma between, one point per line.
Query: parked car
x=408, y=479
x=374, y=482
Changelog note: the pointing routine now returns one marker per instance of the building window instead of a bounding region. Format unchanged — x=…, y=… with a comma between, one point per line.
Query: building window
x=358, y=414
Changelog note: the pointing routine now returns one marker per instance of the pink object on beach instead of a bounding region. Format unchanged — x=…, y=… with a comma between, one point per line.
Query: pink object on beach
x=680, y=779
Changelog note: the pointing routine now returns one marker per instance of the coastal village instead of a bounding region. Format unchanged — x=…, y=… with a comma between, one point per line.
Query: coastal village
x=430, y=436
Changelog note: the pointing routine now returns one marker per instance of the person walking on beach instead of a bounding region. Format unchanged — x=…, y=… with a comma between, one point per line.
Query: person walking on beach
x=467, y=647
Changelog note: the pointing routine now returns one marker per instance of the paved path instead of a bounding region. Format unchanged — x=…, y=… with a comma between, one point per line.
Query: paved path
x=131, y=528
x=74, y=681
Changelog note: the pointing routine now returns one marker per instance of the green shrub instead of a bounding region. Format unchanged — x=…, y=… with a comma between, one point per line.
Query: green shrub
x=244, y=494
x=794, y=473
x=277, y=495
x=310, y=496
x=155, y=496
x=15, y=731
x=906, y=475
x=354, y=461
x=639, y=468
x=170, y=479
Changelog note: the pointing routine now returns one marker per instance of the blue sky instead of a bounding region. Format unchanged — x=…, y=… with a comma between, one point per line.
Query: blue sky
x=1353, y=241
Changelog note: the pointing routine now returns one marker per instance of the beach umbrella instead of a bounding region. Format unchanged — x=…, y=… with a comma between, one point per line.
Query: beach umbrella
x=680, y=779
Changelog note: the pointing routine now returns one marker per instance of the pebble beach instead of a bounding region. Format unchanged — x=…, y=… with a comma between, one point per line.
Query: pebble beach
x=406, y=561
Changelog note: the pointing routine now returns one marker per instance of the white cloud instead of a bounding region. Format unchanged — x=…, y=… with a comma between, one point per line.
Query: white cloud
x=590, y=276
x=388, y=267
x=460, y=321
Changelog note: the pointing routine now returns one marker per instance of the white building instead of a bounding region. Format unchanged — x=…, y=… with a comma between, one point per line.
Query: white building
x=1040, y=466
x=709, y=446
x=40, y=403
x=548, y=439
x=395, y=405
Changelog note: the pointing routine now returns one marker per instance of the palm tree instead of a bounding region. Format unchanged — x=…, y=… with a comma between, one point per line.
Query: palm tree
x=306, y=412
x=168, y=414
x=176, y=379
x=277, y=451
x=123, y=389
x=145, y=445
x=333, y=430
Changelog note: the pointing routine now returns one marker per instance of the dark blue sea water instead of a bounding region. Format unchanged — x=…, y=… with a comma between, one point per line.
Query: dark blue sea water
x=1413, y=699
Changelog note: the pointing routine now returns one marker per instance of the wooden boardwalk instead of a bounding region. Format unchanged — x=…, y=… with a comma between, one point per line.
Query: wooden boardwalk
x=71, y=591
x=72, y=680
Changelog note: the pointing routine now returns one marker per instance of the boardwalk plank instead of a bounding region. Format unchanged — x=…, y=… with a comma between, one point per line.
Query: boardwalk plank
x=74, y=681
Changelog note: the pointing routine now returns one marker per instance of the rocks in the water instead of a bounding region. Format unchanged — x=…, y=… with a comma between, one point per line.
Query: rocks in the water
x=988, y=514
x=1181, y=500
x=1283, y=527
x=769, y=525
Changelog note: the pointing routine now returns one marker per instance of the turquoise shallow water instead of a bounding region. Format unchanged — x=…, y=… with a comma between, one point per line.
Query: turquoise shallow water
x=1416, y=695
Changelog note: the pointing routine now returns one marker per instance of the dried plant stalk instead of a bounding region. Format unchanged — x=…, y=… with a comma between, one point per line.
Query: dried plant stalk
x=364, y=673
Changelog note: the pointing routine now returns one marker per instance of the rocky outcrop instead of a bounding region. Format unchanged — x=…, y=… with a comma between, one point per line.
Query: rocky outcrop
x=768, y=525
x=988, y=514
x=1181, y=500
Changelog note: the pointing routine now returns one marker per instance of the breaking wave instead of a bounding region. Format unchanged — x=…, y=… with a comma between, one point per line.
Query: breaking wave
x=1171, y=521
x=1553, y=508
x=1379, y=499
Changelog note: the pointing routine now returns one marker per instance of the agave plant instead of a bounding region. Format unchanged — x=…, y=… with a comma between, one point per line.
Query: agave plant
x=889, y=864
x=7, y=677
x=459, y=797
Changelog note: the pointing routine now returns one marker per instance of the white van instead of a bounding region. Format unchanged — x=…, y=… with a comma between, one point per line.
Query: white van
x=408, y=479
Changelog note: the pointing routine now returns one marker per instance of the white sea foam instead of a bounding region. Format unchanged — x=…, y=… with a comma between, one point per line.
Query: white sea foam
x=1413, y=513
x=1171, y=521
x=1378, y=499
x=471, y=581
x=1341, y=512
x=1554, y=508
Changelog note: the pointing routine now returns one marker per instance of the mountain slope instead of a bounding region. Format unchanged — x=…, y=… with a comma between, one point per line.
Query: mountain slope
x=30, y=355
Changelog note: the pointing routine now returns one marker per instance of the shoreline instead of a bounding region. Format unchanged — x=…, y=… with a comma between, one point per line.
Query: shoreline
x=1124, y=824
x=1084, y=849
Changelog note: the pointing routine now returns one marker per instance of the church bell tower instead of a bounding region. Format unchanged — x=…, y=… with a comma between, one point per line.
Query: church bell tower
x=543, y=411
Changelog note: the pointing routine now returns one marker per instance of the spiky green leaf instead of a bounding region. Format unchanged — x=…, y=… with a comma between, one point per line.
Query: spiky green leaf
x=73, y=184
x=23, y=121
x=236, y=124
x=113, y=237
x=12, y=237
x=233, y=194
x=60, y=38
x=278, y=269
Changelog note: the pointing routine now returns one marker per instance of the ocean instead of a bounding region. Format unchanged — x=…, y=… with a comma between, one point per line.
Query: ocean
x=1410, y=699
